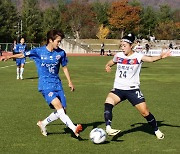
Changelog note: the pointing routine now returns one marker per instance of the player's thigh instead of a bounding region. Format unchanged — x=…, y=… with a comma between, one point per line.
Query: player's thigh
x=62, y=98
x=52, y=99
x=112, y=99
x=135, y=96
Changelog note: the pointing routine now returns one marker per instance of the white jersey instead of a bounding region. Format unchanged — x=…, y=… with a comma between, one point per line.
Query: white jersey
x=128, y=71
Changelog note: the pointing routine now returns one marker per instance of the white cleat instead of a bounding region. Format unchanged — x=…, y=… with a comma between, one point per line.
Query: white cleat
x=42, y=128
x=112, y=132
x=159, y=134
x=17, y=77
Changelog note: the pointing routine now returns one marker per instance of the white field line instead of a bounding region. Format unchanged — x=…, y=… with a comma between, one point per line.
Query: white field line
x=13, y=65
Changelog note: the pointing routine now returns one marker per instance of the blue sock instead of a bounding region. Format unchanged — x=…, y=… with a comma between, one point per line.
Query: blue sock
x=152, y=121
x=108, y=113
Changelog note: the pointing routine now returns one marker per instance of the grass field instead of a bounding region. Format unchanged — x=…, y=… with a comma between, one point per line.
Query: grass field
x=21, y=106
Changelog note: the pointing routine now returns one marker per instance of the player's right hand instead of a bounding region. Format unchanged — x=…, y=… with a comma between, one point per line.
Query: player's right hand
x=4, y=58
x=108, y=69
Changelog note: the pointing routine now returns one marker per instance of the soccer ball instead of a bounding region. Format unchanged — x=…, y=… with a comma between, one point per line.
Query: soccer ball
x=97, y=135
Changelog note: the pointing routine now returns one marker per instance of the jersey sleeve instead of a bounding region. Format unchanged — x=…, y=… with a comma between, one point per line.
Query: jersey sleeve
x=115, y=58
x=64, y=60
x=32, y=54
x=139, y=57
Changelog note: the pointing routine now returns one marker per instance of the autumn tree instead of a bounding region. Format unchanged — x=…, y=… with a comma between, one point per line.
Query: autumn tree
x=167, y=30
x=176, y=15
x=167, y=27
x=103, y=32
x=81, y=19
x=123, y=16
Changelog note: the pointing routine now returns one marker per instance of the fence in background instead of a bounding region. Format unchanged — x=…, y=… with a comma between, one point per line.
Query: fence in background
x=7, y=47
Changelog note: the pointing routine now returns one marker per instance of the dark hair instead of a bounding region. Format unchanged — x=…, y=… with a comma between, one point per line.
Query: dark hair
x=129, y=38
x=53, y=34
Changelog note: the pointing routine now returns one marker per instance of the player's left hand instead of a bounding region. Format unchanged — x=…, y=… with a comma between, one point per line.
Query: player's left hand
x=71, y=86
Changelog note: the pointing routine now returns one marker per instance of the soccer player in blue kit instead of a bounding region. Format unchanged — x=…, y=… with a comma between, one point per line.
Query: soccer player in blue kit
x=48, y=59
x=127, y=84
x=20, y=62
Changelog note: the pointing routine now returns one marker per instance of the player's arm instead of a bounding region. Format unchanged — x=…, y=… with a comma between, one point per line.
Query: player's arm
x=109, y=65
x=20, y=55
x=156, y=58
x=66, y=72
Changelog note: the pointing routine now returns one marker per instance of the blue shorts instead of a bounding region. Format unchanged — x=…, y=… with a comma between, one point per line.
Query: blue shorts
x=134, y=96
x=50, y=95
x=20, y=61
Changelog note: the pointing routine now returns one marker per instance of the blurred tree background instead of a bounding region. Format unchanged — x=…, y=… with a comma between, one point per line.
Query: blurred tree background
x=86, y=19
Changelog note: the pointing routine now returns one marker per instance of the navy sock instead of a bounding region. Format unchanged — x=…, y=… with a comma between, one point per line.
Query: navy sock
x=152, y=121
x=108, y=113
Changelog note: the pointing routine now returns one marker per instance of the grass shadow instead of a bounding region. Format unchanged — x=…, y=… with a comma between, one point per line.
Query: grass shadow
x=31, y=78
x=93, y=124
x=69, y=131
x=144, y=67
x=144, y=127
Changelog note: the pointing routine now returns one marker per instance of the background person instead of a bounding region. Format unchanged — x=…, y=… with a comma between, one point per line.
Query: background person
x=0, y=51
x=102, y=49
x=138, y=47
x=13, y=46
x=147, y=47
x=171, y=46
x=20, y=62
x=109, y=53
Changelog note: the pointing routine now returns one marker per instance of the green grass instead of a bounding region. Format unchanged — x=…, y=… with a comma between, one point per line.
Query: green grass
x=21, y=106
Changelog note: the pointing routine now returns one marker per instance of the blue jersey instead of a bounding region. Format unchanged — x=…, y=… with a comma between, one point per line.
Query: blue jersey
x=48, y=65
x=20, y=48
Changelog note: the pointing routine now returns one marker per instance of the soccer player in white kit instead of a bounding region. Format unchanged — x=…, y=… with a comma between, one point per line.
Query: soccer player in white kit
x=127, y=82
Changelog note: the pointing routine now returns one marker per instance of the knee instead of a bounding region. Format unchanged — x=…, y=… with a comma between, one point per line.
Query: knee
x=145, y=113
x=110, y=100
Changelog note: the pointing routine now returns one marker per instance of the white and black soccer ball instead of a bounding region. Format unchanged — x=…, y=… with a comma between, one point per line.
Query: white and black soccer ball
x=97, y=135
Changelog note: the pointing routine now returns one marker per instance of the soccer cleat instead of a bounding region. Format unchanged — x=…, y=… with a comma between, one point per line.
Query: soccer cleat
x=17, y=77
x=159, y=134
x=112, y=132
x=42, y=128
x=78, y=130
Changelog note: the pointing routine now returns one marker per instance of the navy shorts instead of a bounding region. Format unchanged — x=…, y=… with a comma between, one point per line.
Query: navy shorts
x=50, y=95
x=134, y=96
